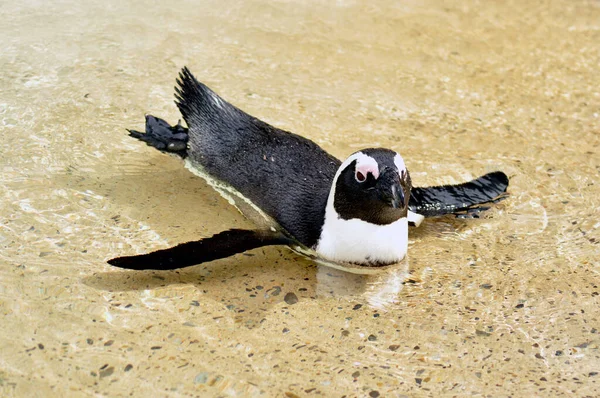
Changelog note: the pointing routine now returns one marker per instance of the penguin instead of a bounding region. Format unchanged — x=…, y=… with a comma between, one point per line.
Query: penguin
x=352, y=215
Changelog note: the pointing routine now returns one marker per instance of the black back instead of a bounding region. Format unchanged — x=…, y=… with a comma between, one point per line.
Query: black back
x=287, y=176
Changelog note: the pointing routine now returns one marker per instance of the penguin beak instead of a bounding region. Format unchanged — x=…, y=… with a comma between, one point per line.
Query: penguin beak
x=397, y=197
x=394, y=189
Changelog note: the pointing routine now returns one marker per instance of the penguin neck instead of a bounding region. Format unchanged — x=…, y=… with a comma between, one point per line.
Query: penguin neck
x=359, y=241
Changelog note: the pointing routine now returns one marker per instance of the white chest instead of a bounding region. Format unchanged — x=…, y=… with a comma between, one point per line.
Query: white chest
x=360, y=242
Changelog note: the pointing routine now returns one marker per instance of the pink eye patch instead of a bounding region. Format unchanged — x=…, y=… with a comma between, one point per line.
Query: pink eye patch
x=363, y=170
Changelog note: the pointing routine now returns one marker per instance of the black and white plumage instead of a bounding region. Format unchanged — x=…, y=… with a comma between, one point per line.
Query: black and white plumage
x=352, y=215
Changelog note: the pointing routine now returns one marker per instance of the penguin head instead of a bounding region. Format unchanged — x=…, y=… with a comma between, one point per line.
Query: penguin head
x=366, y=218
x=372, y=185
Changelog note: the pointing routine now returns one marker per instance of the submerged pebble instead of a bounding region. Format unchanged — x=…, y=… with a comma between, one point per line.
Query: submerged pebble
x=107, y=372
x=290, y=298
x=201, y=378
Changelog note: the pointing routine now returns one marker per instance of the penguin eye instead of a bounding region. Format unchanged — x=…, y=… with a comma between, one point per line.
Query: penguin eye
x=360, y=177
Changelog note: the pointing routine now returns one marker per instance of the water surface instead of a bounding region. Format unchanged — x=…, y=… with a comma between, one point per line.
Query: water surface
x=503, y=305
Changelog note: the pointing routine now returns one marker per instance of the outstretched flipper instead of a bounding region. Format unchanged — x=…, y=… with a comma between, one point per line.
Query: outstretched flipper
x=207, y=113
x=164, y=137
x=221, y=245
x=467, y=199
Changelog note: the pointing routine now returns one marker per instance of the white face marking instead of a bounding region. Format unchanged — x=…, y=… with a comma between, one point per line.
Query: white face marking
x=414, y=218
x=399, y=162
x=356, y=240
x=364, y=167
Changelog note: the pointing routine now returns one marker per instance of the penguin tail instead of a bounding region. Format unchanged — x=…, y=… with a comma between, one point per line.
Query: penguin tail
x=465, y=200
x=221, y=245
x=164, y=137
x=202, y=107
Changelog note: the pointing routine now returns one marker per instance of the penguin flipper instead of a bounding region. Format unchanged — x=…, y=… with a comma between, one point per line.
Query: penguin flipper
x=221, y=245
x=210, y=117
x=464, y=200
x=162, y=136
x=201, y=106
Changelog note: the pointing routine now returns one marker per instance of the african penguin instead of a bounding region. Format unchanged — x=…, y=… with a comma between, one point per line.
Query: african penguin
x=352, y=215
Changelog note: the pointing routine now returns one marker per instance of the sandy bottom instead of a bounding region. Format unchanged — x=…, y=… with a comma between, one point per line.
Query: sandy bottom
x=503, y=305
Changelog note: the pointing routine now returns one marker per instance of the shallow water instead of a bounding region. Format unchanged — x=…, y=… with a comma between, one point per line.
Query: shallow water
x=503, y=305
